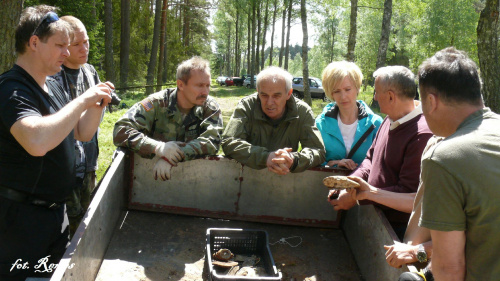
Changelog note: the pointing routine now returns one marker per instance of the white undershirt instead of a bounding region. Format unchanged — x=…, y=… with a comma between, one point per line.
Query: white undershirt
x=348, y=132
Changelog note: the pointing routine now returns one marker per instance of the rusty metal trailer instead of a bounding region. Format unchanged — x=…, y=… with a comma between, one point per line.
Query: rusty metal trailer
x=137, y=228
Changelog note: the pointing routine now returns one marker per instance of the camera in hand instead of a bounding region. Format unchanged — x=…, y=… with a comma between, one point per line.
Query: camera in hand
x=115, y=100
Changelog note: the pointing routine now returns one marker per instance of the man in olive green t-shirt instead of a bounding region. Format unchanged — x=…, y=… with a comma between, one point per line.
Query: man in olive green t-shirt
x=461, y=173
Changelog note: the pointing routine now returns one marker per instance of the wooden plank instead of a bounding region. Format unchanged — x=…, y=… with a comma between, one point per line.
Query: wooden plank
x=197, y=187
x=219, y=187
x=296, y=198
x=83, y=258
x=367, y=231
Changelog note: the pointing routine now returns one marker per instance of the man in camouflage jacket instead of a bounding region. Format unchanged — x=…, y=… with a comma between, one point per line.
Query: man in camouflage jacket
x=175, y=124
x=266, y=128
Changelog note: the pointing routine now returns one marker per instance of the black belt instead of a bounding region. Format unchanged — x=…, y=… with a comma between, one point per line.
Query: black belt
x=21, y=197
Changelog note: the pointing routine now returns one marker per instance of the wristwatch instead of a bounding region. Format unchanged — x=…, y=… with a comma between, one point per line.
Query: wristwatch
x=421, y=254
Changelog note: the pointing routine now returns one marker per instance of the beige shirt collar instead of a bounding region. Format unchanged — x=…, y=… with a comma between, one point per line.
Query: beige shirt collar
x=414, y=113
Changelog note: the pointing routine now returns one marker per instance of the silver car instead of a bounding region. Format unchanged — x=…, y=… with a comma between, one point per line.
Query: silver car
x=315, y=87
x=221, y=80
x=246, y=83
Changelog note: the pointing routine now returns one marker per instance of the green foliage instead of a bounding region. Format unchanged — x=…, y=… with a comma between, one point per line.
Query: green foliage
x=369, y=28
x=106, y=146
x=433, y=25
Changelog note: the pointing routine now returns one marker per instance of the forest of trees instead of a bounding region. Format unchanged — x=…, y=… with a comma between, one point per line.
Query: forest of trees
x=140, y=42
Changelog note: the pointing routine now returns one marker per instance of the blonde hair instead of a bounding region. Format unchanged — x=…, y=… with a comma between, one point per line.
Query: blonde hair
x=75, y=25
x=335, y=72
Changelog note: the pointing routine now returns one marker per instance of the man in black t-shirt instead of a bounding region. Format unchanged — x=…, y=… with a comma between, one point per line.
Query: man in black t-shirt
x=77, y=76
x=37, y=131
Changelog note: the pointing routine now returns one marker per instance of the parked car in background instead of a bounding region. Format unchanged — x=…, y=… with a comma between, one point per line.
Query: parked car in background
x=221, y=80
x=238, y=81
x=315, y=87
x=229, y=81
x=234, y=81
x=246, y=83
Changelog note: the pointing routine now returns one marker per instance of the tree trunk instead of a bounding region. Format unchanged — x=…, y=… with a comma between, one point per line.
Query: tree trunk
x=237, y=54
x=154, y=50
x=164, y=75
x=266, y=22
x=9, y=18
x=384, y=42
x=124, y=42
x=305, y=67
x=257, y=53
x=384, y=36
x=187, y=21
x=249, y=42
x=228, y=50
x=283, y=34
x=179, y=19
x=272, y=35
x=487, y=49
x=334, y=31
x=109, y=65
x=252, y=63
x=161, y=60
x=287, y=49
x=351, y=43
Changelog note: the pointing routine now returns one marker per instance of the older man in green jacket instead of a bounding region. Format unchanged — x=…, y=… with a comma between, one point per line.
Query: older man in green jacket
x=267, y=127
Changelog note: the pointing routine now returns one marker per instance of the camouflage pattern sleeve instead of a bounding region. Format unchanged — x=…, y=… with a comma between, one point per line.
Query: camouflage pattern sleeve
x=234, y=140
x=313, y=149
x=208, y=142
x=132, y=130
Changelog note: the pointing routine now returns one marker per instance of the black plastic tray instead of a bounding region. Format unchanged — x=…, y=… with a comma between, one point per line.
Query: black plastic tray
x=242, y=242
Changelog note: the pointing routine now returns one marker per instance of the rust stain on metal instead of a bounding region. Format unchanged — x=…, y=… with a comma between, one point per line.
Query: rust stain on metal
x=130, y=178
x=235, y=215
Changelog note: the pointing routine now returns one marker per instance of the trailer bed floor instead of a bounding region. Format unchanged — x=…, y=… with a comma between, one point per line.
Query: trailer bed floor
x=158, y=246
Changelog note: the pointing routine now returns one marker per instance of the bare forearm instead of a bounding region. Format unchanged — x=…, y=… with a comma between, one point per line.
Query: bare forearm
x=38, y=135
x=88, y=123
x=399, y=201
x=445, y=272
x=448, y=260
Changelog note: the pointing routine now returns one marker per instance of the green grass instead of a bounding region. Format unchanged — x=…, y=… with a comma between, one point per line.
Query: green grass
x=227, y=97
x=106, y=146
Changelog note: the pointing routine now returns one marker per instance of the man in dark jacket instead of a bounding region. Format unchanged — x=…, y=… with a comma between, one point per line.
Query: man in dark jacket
x=266, y=128
x=38, y=129
x=77, y=76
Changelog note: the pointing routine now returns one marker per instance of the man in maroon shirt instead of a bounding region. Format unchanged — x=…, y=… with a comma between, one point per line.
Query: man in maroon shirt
x=391, y=169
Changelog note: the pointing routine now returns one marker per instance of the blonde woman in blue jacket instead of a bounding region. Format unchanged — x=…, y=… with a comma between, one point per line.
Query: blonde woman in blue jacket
x=348, y=126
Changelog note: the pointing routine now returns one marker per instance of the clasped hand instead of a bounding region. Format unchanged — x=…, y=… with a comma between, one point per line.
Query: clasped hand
x=280, y=161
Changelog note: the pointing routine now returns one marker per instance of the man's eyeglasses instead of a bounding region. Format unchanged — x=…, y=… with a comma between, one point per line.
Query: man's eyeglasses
x=49, y=18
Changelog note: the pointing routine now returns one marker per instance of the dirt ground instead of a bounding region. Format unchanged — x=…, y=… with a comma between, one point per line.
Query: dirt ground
x=157, y=247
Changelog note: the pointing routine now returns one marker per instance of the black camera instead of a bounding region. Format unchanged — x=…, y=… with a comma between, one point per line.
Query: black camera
x=115, y=100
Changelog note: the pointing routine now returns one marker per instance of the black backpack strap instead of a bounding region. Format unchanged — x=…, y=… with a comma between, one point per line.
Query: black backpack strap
x=360, y=141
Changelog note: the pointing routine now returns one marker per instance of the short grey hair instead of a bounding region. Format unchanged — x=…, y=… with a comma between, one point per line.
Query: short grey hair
x=194, y=63
x=399, y=78
x=275, y=74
